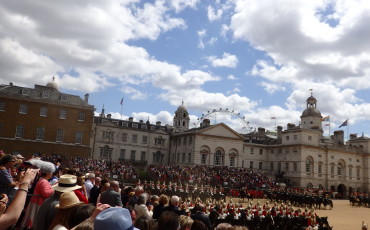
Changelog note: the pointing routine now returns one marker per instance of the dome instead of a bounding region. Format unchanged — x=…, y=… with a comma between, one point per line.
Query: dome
x=182, y=109
x=311, y=100
x=311, y=112
x=52, y=84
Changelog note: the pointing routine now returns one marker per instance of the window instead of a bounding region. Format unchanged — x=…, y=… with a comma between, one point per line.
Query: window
x=133, y=153
x=310, y=138
x=143, y=153
x=108, y=135
x=189, y=157
x=184, y=140
x=271, y=165
x=60, y=135
x=319, y=169
x=232, y=161
x=260, y=165
x=157, y=157
x=279, y=166
x=19, y=130
x=23, y=109
x=135, y=125
x=203, y=159
x=40, y=133
x=295, y=167
x=179, y=141
x=2, y=106
x=145, y=139
x=143, y=127
x=63, y=97
x=122, y=154
x=124, y=137
x=218, y=158
x=81, y=116
x=78, y=139
x=62, y=114
x=252, y=150
x=295, y=150
x=308, y=166
x=350, y=172
x=26, y=92
x=45, y=94
x=159, y=141
x=339, y=170
x=183, y=157
x=106, y=152
x=178, y=157
x=134, y=138
x=332, y=170
x=358, y=173
x=295, y=137
x=286, y=166
x=190, y=140
x=124, y=124
x=43, y=111
x=287, y=138
x=251, y=164
x=261, y=151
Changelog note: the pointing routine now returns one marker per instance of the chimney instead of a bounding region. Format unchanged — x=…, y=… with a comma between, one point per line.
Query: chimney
x=339, y=137
x=109, y=115
x=279, y=131
x=290, y=126
x=87, y=98
x=206, y=122
x=158, y=123
x=352, y=136
x=11, y=83
x=130, y=119
x=141, y=121
x=261, y=131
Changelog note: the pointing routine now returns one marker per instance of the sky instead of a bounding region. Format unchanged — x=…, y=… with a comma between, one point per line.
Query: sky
x=257, y=58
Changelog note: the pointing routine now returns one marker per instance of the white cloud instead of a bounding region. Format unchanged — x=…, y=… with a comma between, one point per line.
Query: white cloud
x=271, y=88
x=201, y=35
x=214, y=14
x=231, y=77
x=180, y=5
x=309, y=42
x=134, y=93
x=227, y=60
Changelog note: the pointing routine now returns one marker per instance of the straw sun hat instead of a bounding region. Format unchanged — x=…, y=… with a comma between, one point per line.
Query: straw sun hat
x=68, y=200
x=66, y=183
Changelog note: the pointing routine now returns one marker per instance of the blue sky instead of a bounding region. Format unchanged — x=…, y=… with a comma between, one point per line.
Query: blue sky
x=258, y=58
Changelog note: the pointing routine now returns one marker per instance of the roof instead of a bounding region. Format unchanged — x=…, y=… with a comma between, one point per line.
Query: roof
x=43, y=94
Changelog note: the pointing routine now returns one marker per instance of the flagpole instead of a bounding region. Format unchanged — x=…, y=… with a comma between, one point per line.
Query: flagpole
x=329, y=128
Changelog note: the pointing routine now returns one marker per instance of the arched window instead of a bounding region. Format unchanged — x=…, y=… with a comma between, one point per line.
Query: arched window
x=309, y=164
x=339, y=170
x=218, y=157
x=183, y=123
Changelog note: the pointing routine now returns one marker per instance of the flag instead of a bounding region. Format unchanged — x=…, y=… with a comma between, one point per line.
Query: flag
x=327, y=124
x=327, y=118
x=273, y=117
x=344, y=123
x=121, y=101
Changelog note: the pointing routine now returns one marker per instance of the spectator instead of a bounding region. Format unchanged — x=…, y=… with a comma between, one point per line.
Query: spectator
x=7, y=183
x=201, y=216
x=46, y=213
x=158, y=209
x=174, y=206
x=223, y=226
x=168, y=220
x=114, y=218
x=68, y=202
x=112, y=196
x=42, y=191
x=138, y=191
x=144, y=223
x=95, y=191
x=89, y=183
x=81, y=213
x=198, y=225
x=141, y=208
x=185, y=222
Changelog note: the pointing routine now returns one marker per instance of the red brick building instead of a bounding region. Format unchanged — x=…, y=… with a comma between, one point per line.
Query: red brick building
x=44, y=120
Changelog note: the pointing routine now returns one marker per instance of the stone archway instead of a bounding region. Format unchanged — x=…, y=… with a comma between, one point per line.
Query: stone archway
x=342, y=191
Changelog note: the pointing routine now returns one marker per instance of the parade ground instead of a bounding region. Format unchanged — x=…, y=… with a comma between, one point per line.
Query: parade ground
x=343, y=216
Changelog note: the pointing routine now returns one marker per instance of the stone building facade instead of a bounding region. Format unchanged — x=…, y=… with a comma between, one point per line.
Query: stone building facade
x=44, y=120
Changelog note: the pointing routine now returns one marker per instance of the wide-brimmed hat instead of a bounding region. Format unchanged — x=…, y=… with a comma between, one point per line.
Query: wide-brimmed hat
x=66, y=183
x=114, y=219
x=68, y=200
x=19, y=156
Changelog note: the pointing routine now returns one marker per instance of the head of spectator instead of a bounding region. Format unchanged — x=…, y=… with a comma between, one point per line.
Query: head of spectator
x=138, y=190
x=97, y=181
x=163, y=200
x=80, y=179
x=185, y=222
x=175, y=201
x=198, y=225
x=91, y=177
x=46, y=169
x=142, y=199
x=144, y=223
x=81, y=213
x=114, y=218
x=154, y=199
x=67, y=203
x=8, y=161
x=115, y=185
x=168, y=220
x=223, y=226
x=2, y=154
x=66, y=183
x=200, y=207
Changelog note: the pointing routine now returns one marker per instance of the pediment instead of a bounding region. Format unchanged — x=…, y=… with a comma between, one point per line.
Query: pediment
x=220, y=130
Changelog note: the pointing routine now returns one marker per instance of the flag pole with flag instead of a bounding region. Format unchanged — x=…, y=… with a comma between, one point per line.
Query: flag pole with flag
x=121, y=106
x=327, y=118
x=274, y=118
x=345, y=123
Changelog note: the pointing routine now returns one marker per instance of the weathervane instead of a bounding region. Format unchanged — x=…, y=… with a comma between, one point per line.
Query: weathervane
x=311, y=91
